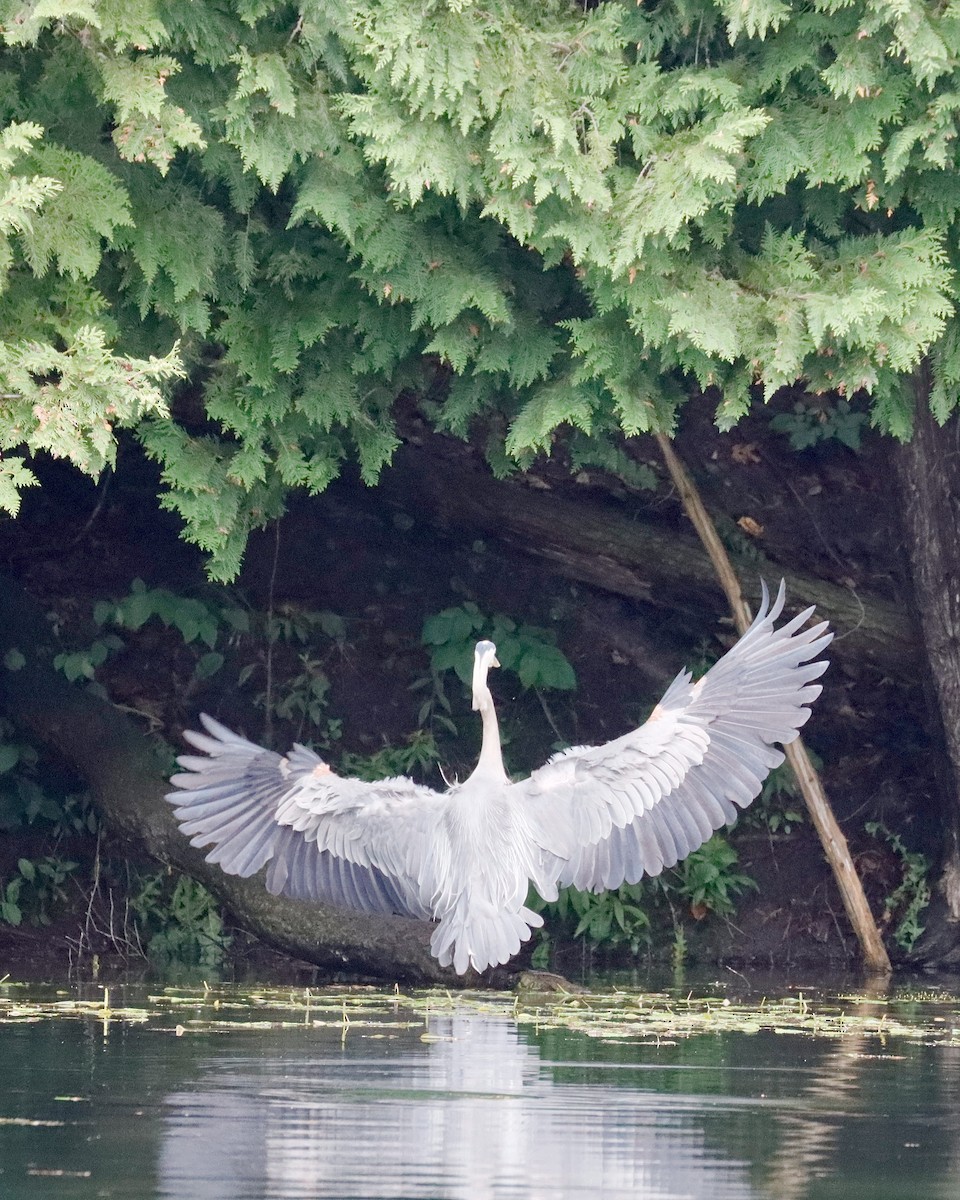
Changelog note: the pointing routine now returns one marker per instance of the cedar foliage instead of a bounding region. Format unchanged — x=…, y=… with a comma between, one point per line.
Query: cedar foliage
x=533, y=215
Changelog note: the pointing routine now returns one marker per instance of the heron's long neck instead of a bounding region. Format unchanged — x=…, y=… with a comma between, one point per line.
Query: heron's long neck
x=490, y=763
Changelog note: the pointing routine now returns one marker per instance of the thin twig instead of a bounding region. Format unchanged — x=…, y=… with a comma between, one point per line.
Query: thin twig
x=268, y=711
x=549, y=715
x=88, y=922
x=97, y=509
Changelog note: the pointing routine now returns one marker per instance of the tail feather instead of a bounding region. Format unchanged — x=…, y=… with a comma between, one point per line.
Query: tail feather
x=478, y=935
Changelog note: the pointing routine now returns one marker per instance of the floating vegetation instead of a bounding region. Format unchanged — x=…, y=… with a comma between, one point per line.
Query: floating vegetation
x=929, y=1017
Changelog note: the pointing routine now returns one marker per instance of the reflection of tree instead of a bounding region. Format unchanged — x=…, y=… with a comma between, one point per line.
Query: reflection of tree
x=470, y=1115
x=811, y=1116
x=949, y=1098
x=808, y=1134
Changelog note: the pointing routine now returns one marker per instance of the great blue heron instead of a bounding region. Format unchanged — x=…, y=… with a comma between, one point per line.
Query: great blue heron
x=593, y=816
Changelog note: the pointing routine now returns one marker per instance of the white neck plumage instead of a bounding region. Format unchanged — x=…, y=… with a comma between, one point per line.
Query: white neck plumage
x=490, y=764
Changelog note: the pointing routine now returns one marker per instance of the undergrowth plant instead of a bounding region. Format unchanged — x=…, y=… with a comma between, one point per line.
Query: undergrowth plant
x=904, y=906
x=779, y=808
x=179, y=922
x=418, y=755
x=638, y=915
x=707, y=880
x=529, y=651
x=822, y=419
x=214, y=625
x=34, y=796
x=287, y=651
x=612, y=918
x=436, y=710
x=200, y=623
x=34, y=893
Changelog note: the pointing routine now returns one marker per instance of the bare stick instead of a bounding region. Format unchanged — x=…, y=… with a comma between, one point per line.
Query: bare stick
x=268, y=702
x=875, y=956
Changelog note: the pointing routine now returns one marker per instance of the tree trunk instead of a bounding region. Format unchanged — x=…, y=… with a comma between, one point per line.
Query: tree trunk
x=127, y=782
x=929, y=478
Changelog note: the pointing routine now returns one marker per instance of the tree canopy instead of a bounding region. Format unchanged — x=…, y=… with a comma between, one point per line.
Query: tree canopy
x=246, y=228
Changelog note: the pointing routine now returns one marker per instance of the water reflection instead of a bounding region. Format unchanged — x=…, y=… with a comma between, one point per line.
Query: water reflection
x=472, y=1106
x=469, y=1115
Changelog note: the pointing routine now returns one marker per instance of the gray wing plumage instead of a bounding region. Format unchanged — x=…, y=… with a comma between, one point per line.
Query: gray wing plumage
x=594, y=816
x=317, y=831
x=642, y=802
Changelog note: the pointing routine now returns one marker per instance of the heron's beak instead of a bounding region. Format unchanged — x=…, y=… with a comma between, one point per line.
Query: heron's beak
x=483, y=659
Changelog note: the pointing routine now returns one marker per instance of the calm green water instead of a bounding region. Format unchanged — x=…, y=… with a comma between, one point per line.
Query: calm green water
x=471, y=1105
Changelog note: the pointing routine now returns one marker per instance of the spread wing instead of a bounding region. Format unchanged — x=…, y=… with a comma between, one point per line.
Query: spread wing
x=635, y=805
x=359, y=845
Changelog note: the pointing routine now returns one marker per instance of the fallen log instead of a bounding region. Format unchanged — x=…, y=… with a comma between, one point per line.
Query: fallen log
x=597, y=544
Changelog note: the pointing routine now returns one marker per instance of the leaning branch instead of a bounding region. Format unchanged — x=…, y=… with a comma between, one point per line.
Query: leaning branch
x=831, y=836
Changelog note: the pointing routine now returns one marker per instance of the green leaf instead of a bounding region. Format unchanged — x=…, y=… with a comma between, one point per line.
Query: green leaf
x=552, y=405
x=147, y=128
x=86, y=210
x=103, y=611
x=28, y=22
x=137, y=609
x=237, y=618
x=208, y=665
x=555, y=670
x=14, y=660
x=334, y=626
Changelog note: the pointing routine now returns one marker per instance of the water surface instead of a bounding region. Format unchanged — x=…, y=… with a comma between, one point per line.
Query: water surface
x=197, y=1100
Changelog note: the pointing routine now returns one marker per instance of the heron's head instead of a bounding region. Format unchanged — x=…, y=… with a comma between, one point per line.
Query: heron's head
x=484, y=657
